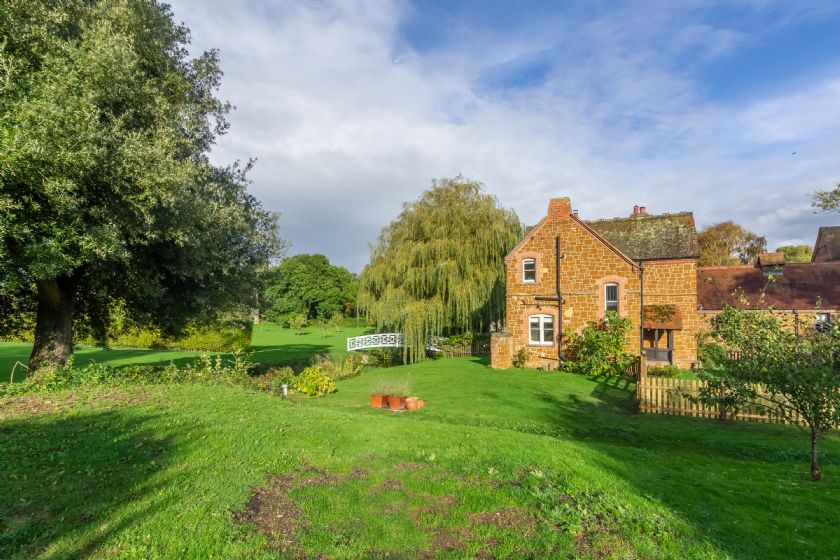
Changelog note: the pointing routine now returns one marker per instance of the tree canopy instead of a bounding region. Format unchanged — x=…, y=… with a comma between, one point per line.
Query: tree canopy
x=439, y=267
x=796, y=253
x=308, y=285
x=728, y=243
x=827, y=200
x=107, y=197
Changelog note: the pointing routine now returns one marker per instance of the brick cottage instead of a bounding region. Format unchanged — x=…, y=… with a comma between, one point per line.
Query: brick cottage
x=567, y=272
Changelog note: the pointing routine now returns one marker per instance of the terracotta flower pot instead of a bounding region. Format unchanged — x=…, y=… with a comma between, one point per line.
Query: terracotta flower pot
x=411, y=404
x=378, y=401
x=421, y=404
x=396, y=403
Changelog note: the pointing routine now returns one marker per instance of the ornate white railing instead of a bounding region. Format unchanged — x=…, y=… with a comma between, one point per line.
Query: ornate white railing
x=384, y=340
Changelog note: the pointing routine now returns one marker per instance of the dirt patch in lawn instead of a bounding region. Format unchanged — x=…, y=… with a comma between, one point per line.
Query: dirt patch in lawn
x=510, y=519
x=49, y=403
x=274, y=513
x=275, y=509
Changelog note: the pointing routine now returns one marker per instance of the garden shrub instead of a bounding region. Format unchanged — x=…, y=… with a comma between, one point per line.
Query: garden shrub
x=223, y=336
x=599, y=348
x=313, y=381
x=273, y=379
x=520, y=358
x=664, y=371
x=344, y=367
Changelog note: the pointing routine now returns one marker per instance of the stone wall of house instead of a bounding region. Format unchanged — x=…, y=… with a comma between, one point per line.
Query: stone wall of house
x=588, y=264
x=674, y=282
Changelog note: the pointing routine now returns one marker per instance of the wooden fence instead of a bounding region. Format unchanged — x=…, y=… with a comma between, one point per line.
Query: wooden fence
x=665, y=395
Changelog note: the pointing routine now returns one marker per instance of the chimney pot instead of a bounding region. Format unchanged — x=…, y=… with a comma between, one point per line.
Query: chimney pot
x=635, y=209
x=575, y=213
x=642, y=210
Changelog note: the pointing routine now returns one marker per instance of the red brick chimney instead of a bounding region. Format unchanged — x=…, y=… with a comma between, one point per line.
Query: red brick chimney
x=560, y=208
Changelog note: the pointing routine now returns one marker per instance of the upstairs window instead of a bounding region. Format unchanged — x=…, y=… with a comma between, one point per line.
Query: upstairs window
x=541, y=330
x=529, y=271
x=611, y=297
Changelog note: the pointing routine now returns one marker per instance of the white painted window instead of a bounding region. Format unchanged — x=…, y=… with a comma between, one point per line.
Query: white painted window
x=611, y=297
x=541, y=330
x=529, y=270
x=823, y=322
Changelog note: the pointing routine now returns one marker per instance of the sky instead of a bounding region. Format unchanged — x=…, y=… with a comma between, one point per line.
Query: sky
x=728, y=109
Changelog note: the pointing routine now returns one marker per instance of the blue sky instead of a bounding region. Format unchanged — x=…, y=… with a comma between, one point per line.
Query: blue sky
x=353, y=107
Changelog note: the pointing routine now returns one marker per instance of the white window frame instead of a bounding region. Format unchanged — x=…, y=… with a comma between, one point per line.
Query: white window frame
x=525, y=280
x=542, y=319
x=823, y=318
x=607, y=301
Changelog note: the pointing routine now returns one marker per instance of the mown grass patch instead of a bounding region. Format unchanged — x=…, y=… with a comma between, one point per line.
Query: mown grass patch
x=498, y=464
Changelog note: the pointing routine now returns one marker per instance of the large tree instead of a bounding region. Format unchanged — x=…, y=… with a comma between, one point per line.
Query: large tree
x=796, y=253
x=439, y=267
x=107, y=197
x=308, y=285
x=728, y=243
x=827, y=200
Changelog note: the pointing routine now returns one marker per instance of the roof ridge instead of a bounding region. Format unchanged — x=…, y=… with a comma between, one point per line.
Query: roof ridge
x=644, y=216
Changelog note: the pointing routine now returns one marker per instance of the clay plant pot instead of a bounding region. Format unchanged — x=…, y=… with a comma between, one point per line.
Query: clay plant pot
x=420, y=404
x=396, y=403
x=411, y=404
x=378, y=401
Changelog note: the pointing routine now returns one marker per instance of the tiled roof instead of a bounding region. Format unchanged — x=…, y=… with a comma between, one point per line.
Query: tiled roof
x=799, y=286
x=647, y=236
x=827, y=247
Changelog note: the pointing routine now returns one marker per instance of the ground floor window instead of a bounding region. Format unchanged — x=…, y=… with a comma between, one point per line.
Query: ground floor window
x=541, y=330
x=823, y=321
x=659, y=345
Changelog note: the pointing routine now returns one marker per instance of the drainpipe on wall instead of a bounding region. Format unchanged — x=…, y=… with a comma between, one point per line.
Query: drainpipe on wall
x=558, y=257
x=641, y=308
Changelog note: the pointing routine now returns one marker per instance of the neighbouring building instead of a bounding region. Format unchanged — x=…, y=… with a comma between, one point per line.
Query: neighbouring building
x=567, y=272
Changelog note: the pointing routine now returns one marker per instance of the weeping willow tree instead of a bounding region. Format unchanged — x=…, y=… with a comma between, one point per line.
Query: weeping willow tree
x=439, y=267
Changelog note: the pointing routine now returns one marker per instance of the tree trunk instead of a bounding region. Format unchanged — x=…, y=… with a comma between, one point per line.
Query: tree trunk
x=54, y=325
x=816, y=473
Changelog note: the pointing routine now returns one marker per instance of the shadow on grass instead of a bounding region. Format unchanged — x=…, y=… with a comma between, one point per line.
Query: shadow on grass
x=732, y=481
x=71, y=482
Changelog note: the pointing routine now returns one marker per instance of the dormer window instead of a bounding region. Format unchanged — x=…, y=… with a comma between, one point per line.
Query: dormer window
x=529, y=271
x=611, y=297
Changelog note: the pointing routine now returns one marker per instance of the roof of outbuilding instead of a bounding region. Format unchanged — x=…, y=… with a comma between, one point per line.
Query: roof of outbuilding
x=827, y=247
x=651, y=237
x=799, y=286
x=771, y=259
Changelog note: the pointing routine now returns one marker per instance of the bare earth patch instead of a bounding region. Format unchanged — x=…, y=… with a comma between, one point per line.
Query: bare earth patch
x=512, y=519
x=49, y=403
x=273, y=510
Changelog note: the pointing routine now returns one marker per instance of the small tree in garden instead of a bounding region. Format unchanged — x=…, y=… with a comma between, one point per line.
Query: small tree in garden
x=798, y=368
x=336, y=321
x=298, y=322
x=599, y=348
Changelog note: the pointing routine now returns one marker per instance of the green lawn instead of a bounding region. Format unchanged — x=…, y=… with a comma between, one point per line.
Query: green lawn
x=511, y=464
x=271, y=344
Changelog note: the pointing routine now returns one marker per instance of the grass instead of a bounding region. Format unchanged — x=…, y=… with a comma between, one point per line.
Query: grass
x=271, y=344
x=506, y=464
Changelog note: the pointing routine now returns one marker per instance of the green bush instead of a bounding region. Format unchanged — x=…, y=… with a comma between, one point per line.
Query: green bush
x=664, y=371
x=313, y=381
x=599, y=348
x=520, y=358
x=224, y=336
x=344, y=367
x=273, y=379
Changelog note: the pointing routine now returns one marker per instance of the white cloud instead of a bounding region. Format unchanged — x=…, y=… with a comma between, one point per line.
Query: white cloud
x=348, y=121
